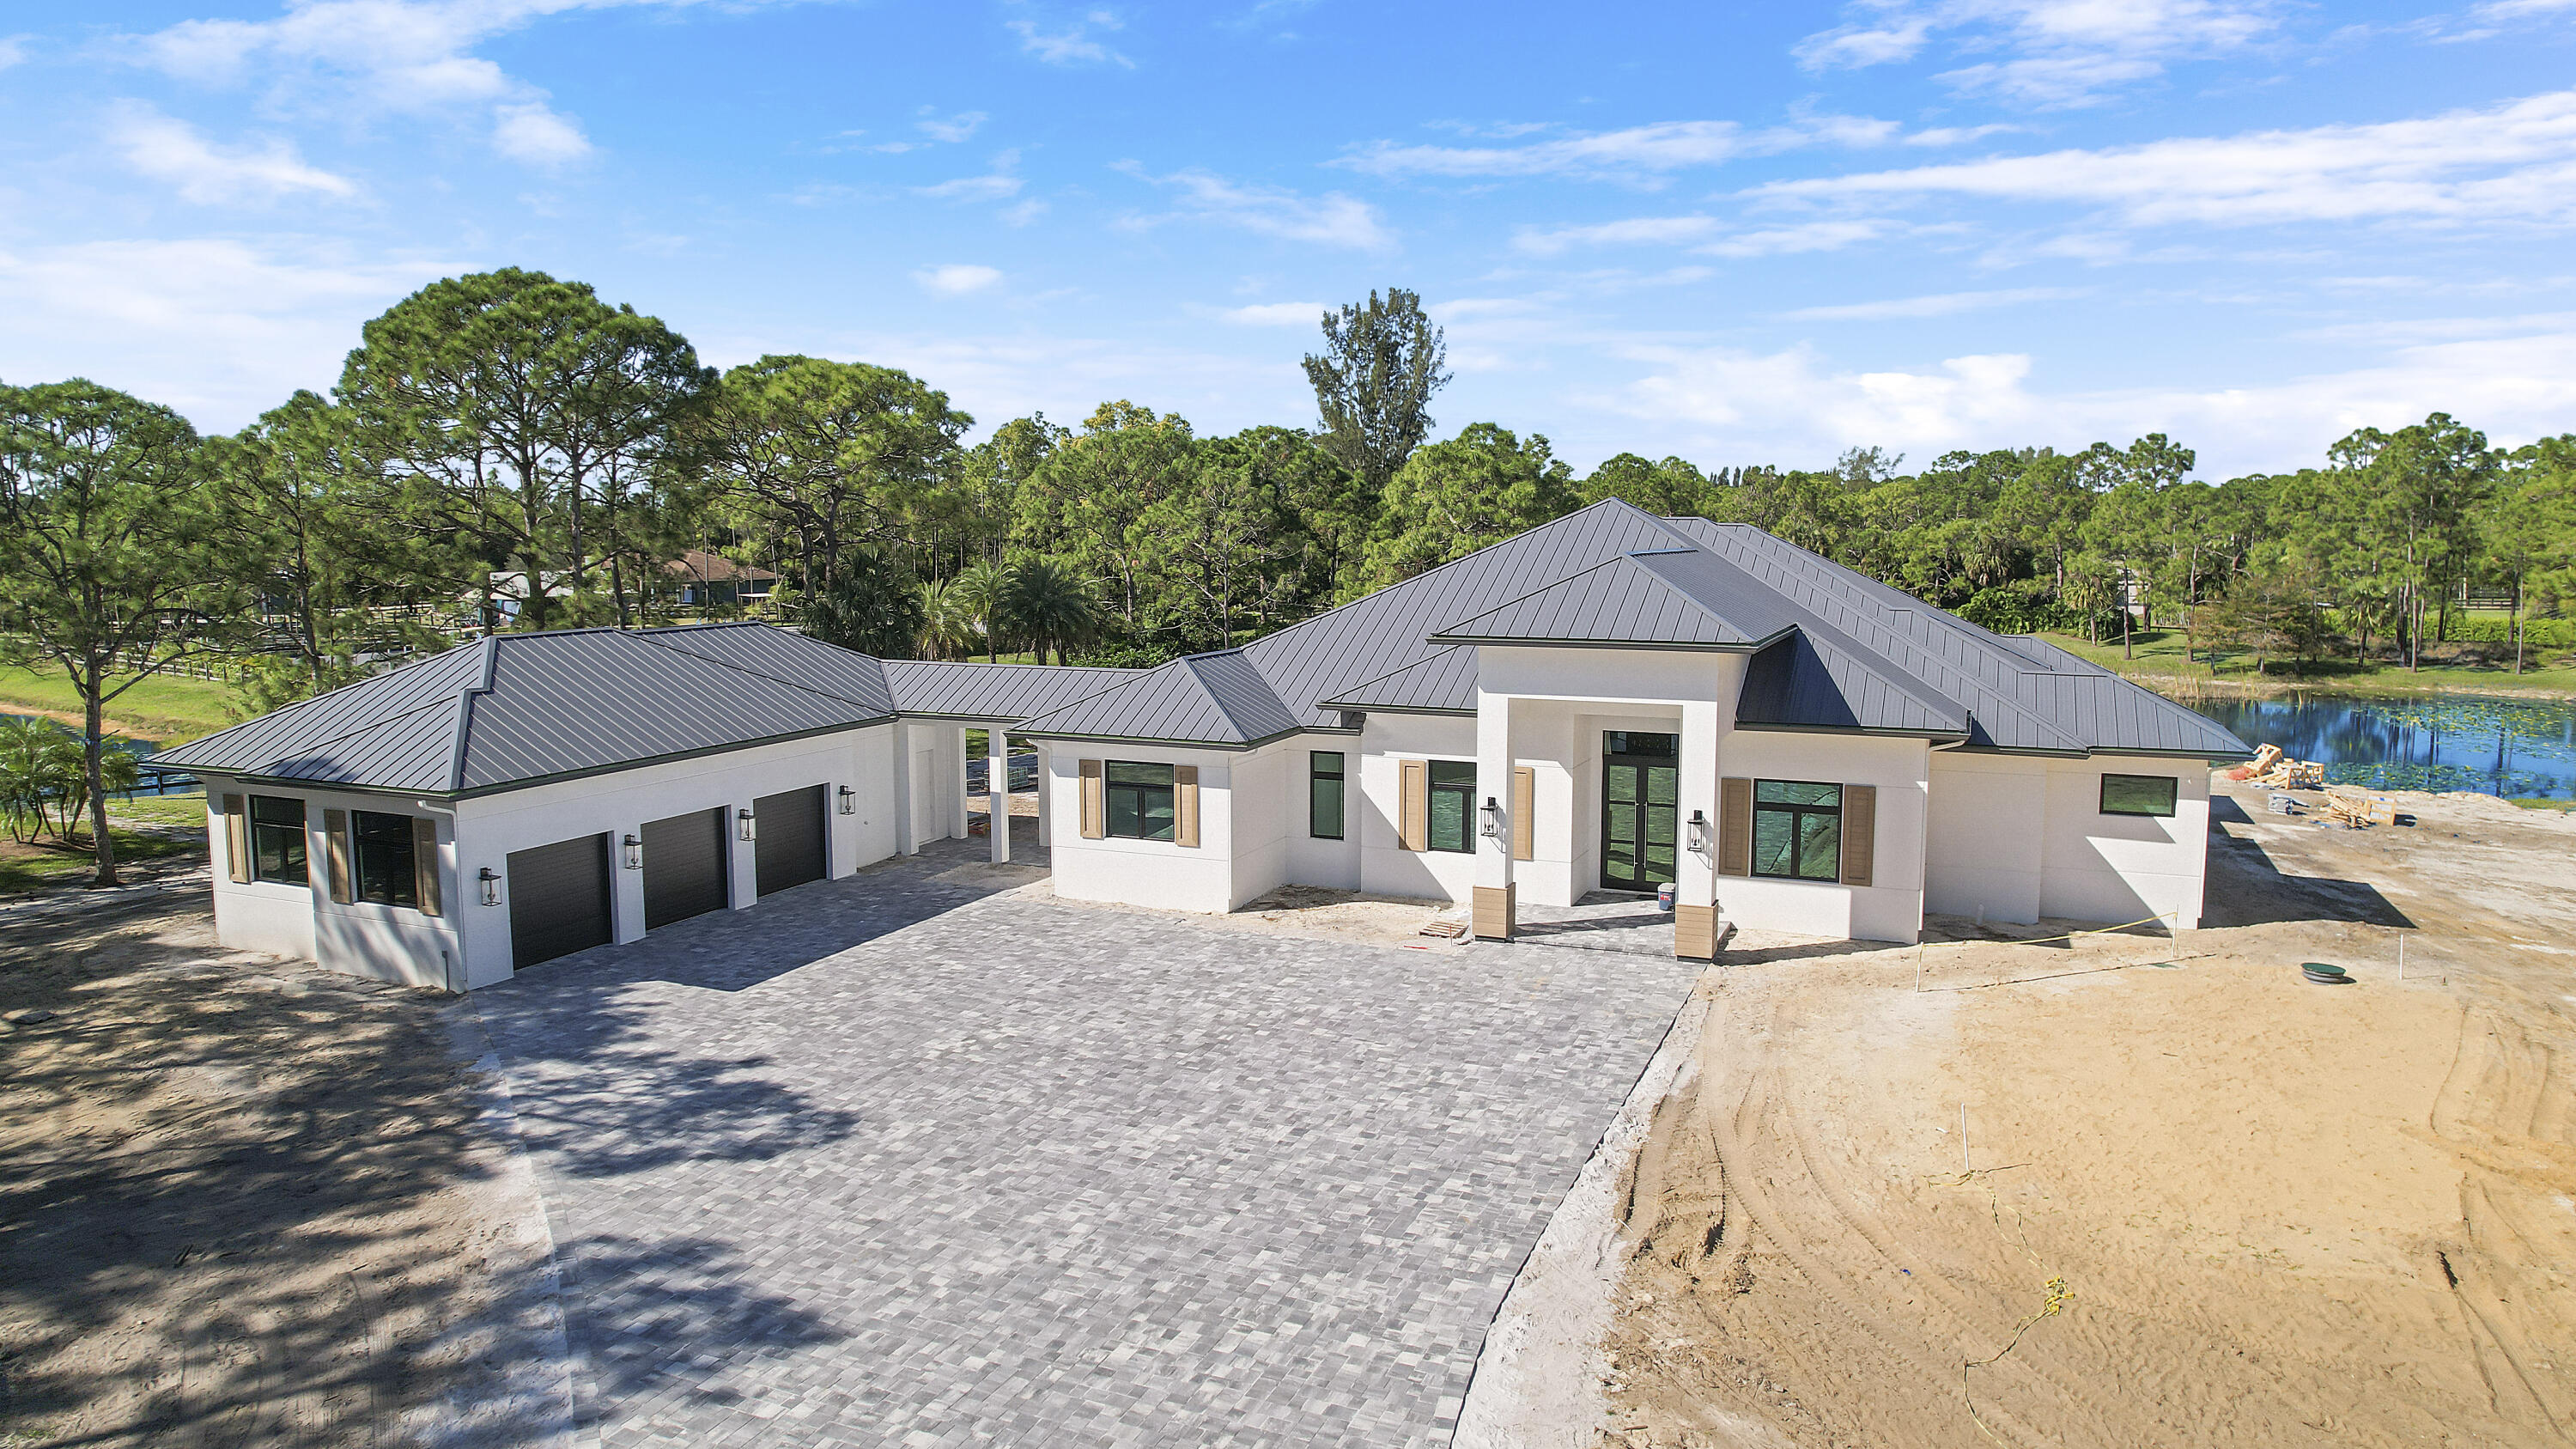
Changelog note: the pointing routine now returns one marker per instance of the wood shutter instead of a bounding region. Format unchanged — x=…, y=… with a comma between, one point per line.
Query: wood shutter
x=1185, y=805
x=1735, y=826
x=1095, y=801
x=236, y=838
x=1524, y=805
x=335, y=851
x=1413, y=818
x=1860, y=832
x=424, y=863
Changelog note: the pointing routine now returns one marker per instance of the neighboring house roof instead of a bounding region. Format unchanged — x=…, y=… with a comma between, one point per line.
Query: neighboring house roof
x=1832, y=649
x=993, y=691
x=516, y=709
x=713, y=568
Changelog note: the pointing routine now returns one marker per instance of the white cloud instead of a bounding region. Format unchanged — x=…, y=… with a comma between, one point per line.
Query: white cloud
x=1024, y=213
x=1645, y=230
x=333, y=57
x=1811, y=236
x=167, y=149
x=997, y=184
x=957, y=279
x=1794, y=407
x=1642, y=154
x=953, y=129
x=2516, y=161
x=2522, y=9
x=2063, y=52
x=1332, y=219
x=1072, y=43
x=221, y=329
x=1939, y=304
x=1275, y=314
x=532, y=133
x=13, y=49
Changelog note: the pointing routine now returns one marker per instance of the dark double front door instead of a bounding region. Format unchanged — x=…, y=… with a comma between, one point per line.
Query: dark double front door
x=1641, y=782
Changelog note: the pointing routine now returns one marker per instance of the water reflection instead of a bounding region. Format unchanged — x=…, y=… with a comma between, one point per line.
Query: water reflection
x=2511, y=747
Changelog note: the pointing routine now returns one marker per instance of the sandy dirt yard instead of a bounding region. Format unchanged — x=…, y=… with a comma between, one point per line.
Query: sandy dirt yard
x=242, y=1201
x=2203, y=1202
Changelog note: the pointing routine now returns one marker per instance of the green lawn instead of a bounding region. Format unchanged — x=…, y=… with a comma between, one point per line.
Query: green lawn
x=2159, y=664
x=166, y=708
x=150, y=827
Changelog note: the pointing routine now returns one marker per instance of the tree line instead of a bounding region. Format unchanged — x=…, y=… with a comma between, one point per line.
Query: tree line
x=508, y=451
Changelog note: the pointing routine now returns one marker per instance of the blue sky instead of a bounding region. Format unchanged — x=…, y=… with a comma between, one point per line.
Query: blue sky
x=1741, y=234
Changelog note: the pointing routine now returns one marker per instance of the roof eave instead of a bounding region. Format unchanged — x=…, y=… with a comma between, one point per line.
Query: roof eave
x=1881, y=731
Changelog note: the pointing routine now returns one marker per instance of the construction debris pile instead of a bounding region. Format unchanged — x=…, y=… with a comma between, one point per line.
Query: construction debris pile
x=2344, y=805
x=2277, y=771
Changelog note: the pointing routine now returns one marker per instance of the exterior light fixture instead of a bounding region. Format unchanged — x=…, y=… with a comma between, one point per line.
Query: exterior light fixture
x=634, y=850
x=1698, y=833
x=491, y=884
x=750, y=827
x=1493, y=814
x=849, y=801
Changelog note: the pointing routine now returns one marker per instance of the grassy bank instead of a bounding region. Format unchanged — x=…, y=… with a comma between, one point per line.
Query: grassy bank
x=166, y=708
x=2448, y=669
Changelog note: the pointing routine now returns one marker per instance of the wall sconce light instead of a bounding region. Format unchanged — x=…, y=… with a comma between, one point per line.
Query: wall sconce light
x=634, y=849
x=750, y=828
x=1493, y=814
x=491, y=884
x=849, y=801
x=1698, y=833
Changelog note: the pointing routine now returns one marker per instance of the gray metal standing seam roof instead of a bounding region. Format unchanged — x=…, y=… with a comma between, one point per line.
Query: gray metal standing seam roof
x=1832, y=649
x=519, y=708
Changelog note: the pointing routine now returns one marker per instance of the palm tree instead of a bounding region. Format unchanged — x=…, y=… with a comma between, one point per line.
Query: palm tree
x=947, y=623
x=981, y=591
x=1049, y=604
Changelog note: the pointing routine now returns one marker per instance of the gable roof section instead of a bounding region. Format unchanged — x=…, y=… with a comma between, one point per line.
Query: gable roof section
x=1218, y=699
x=993, y=691
x=520, y=708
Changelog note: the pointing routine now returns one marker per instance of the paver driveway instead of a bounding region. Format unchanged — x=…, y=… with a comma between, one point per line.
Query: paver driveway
x=904, y=1160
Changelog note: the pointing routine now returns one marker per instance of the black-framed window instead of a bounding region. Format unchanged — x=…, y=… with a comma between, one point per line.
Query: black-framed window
x=386, y=873
x=277, y=841
x=1452, y=806
x=1140, y=800
x=1797, y=830
x=1634, y=742
x=2139, y=795
x=1324, y=786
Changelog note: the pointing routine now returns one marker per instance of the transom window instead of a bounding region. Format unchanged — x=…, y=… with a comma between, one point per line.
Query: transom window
x=386, y=872
x=1324, y=786
x=1139, y=800
x=277, y=841
x=1452, y=805
x=1797, y=830
x=2139, y=795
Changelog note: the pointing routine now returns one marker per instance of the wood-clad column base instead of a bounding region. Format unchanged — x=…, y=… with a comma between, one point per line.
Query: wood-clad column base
x=1495, y=912
x=1695, y=932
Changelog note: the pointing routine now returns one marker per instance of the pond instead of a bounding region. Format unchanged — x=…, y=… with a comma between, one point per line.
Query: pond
x=2518, y=748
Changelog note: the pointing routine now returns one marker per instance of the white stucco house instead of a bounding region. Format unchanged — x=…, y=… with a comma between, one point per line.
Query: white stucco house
x=1612, y=701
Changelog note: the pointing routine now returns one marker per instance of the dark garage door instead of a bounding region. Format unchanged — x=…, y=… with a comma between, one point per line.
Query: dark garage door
x=558, y=899
x=789, y=851
x=684, y=867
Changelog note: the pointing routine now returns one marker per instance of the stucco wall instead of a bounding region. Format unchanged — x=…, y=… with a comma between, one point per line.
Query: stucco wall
x=2119, y=868
x=389, y=943
x=1888, y=909
x=1334, y=864
x=1386, y=867
x=1158, y=873
x=267, y=916
x=1988, y=839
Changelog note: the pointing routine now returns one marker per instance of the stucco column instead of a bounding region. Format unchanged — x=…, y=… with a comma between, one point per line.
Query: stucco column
x=1495, y=909
x=1695, y=864
x=997, y=791
x=956, y=811
x=1046, y=764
